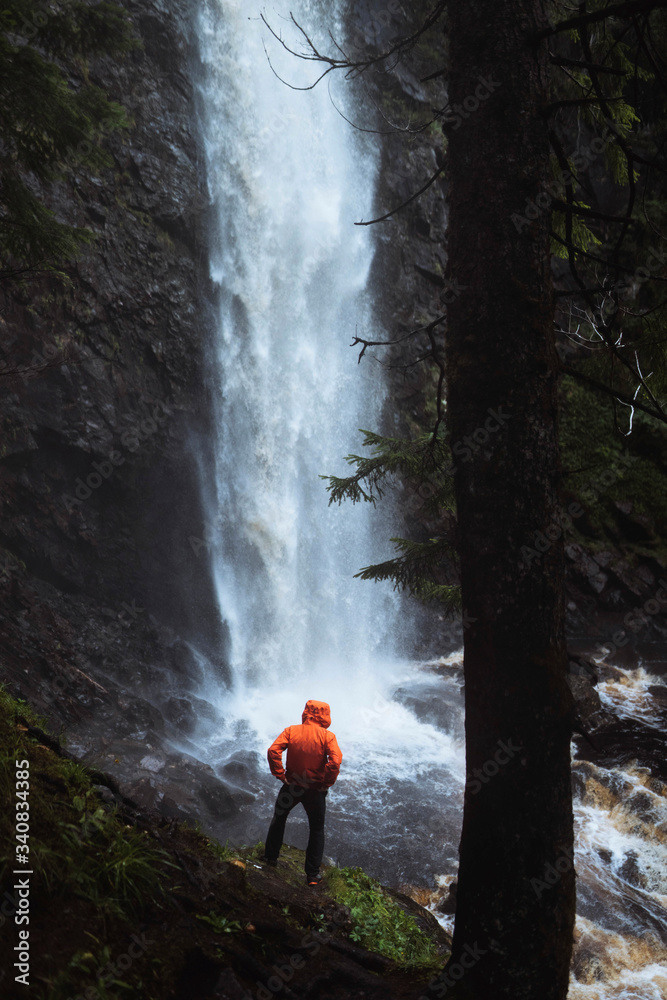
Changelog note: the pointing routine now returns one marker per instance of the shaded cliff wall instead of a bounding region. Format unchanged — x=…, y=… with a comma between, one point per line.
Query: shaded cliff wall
x=407, y=276
x=614, y=542
x=102, y=579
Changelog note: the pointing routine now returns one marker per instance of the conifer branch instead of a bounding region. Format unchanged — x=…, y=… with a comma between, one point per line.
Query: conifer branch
x=414, y=569
x=628, y=9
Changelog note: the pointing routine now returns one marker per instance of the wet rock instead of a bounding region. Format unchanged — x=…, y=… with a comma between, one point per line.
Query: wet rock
x=623, y=740
x=169, y=807
x=578, y=785
x=242, y=768
x=181, y=713
x=635, y=527
x=100, y=550
x=422, y=917
x=586, y=775
x=139, y=714
x=644, y=806
x=586, y=568
x=448, y=903
x=152, y=762
x=582, y=666
x=586, y=697
x=228, y=987
x=607, y=672
x=631, y=872
x=597, y=900
x=145, y=793
x=439, y=704
x=218, y=799
x=105, y=794
x=588, y=968
x=659, y=787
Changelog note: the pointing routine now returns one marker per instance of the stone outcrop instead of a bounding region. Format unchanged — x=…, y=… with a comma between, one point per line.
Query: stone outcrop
x=104, y=582
x=103, y=577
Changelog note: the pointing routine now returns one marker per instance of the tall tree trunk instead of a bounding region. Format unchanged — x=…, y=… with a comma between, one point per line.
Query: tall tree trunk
x=515, y=913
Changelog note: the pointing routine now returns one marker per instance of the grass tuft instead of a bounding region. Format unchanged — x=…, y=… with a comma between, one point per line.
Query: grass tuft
x=378, y=922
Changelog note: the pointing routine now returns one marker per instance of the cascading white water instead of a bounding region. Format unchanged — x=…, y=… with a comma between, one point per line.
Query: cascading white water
x=289, y=182
x=621, y=863
x=288, y=177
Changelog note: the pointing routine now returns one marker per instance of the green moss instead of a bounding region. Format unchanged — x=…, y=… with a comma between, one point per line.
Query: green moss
x=221, y=851
x=82, y=856
x=220, y=923
x=100, y=876
x=378, y=922
x=164, y=239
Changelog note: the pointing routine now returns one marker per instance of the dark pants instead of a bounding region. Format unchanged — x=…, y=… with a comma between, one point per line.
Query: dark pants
x=314, y=802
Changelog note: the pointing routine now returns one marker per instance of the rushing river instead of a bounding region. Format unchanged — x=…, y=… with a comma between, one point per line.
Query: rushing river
x=288, y=177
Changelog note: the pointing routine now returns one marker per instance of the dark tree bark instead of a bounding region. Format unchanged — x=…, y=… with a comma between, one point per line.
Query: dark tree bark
x=515, y=911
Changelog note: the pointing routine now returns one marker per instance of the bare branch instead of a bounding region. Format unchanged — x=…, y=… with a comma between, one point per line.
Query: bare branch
x=622, y=397
x=397, y=340
x=628, y=9
x=408, y=201
x=582, y=64
x=353, y=67
x=587, y=213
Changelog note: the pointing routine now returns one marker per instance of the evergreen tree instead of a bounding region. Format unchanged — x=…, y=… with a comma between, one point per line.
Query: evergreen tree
x=560, y=166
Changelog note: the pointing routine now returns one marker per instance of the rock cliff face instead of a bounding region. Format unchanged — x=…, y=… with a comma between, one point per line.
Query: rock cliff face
x=615, y=558
x=105, y=590
x=102, y=576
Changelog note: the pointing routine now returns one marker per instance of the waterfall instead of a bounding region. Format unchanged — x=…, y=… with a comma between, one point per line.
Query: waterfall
x=288, y=177
x=288, y=181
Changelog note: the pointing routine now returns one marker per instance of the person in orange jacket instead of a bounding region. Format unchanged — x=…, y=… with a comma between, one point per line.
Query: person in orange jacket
x=312, y=766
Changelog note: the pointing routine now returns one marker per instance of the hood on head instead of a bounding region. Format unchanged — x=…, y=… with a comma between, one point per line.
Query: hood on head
x=317, y=711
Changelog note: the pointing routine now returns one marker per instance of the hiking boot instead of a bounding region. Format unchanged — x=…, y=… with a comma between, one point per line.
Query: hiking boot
x=314, y=879
x=273, y=862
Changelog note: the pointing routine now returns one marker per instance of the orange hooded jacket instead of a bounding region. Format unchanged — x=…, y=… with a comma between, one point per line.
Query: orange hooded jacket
x=313, y=754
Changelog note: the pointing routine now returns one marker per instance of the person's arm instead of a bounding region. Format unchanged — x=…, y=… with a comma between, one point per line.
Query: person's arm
x=334, y=758
x=275, y=754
